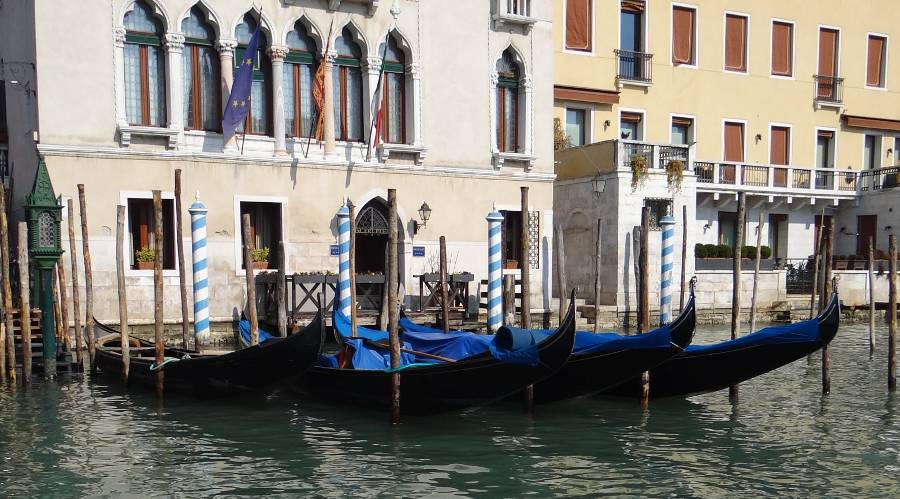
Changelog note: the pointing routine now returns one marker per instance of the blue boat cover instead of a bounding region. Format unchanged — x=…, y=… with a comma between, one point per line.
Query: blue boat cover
x=586, y=342
x=800, y=332
x=244, y=326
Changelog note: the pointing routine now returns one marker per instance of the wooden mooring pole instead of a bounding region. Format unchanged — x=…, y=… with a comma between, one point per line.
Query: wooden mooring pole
x=892, y=313
x=445, y=306
x=251, y=285
x=64, y=304
x=281, y=308
x=644, y=298
x=392, y=281
x=817, y=250
x=182, y=270
x=871, y=296
x=24, y=303
x=122, y=290
x=57, y=312
x=525, y=267
x=9, y=339
x=826, y=295
x=736, y=280
x=684, y=237
x=159, y=338
x=759, y=228
x=88, y=277
x=354, y=313
x=509, y=299
x=561, y=271
x=598, y=267
x=76, y=292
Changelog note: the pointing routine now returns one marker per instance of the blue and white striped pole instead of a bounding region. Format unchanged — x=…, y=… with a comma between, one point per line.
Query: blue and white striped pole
x=201, y=271
x=344, y=260
x=495, y=272
x=665, y=282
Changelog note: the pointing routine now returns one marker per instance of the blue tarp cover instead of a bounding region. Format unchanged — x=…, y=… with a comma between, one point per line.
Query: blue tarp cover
x=800, y=332
x=245, y=333
x=586, y=342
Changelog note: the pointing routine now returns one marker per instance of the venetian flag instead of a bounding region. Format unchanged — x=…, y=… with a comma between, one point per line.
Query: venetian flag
x=239, y=101
x=318, y=90
x=377, y=116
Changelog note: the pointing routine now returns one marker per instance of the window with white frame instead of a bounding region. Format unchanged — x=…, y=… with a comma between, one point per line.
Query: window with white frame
x=258, y=120
x=145, y=73
x=682, y=130
x=393, y=129
x=348, y=89
x=631, y=126
x=201, y=74
x=576, y=126
x=141, y=227
x=299, y=67
x=265, y=227
x=508, y=103
x=518, y=8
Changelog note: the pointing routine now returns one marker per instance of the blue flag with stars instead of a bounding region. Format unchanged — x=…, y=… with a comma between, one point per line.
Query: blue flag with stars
x=239, y=100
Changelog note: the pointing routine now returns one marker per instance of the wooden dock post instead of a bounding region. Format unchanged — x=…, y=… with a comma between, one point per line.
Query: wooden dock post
x=892, y=313
x=392, y=282
x=871, y=296
x=9, y=346
x=354, y=313
x=817, y=250
x=24, y=304
x=64, y=303
x=644, y=298
x=383, y=312
x=561, y=271
x=281, y=309
x=88, y=277
x=445, y=307
x=759, y=228
x=76, y=293
x=122, y=290
x=58, y=326
x=509, y=300
x=736, y=279
x=182, y=270
x=826, y=295
x=598, y=283
x=525, y=267
x=251, y=286
x=159, y=339
x=684, y=237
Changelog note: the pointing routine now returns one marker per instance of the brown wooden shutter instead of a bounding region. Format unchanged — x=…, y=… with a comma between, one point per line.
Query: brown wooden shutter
x=734, y=142
x=782, y=34
x=578, y=24
x=875, y=61
x=679, y=121
x=827, y=51
x=631, y=117
x=778, y=154
x=827, y=134
x=735, y=42
x=633, y=5
x=682, y=35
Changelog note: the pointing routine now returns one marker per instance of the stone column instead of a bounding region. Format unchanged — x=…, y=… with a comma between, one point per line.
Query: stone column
x=119, y=62
x=174, y=83
x=277, y=54
x=226, y=67
x=328, y=121
x=414, y=74
x=525, y=134
x=370, y=86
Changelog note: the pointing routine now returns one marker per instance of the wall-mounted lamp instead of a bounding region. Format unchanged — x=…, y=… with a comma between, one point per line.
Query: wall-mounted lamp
x=758, y=137
x=425, y=215
x=606, y=124
x=707, y=226
x=598, y=185
x=844, y=232
x=888, y=227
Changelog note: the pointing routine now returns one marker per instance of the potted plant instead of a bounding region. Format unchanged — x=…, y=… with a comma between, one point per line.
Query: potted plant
x=639, y=171
x=145, y=258
x=675, y=174
x=511, y=264
x=260, y=258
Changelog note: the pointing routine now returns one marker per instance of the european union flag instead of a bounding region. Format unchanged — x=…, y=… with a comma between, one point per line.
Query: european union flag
x=239, y=100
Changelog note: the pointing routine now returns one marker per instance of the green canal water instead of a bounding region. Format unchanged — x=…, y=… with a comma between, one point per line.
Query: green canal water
x=71, y=439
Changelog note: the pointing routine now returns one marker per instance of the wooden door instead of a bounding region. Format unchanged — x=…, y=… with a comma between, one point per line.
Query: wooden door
x=866, y=226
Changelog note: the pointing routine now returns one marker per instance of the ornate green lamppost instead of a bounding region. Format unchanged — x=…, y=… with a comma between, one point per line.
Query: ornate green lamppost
x=45, y=248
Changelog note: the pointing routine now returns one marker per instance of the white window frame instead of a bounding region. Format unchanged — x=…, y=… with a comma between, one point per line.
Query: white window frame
x=837, y=56
x=588, y=119
x=645, y=28
x=693, y=130
x=124, y=196
x=790, y=144
x=746, y=42
x=772, y=47
x=744, y=152
x=696, y=42
x=834, y=145
x=566, y=49
x=642, y=127
x=526, y=4
x=238, y=230
x=879, y=150
x=884, y=62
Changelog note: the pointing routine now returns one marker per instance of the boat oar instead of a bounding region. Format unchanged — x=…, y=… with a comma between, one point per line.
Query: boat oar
x=413, y=352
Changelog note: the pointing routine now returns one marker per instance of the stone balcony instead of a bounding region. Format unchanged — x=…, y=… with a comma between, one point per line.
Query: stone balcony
x=777, y=180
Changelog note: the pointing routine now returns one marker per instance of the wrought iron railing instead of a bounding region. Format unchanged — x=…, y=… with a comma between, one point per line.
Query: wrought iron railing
x=756, y=176
x=881, y=178
x=798, y=275
x=671, y=153
x=634, y=66
x=801, y=179
x=727, y=173
x=704, y=172
x=829, y=89
x=633, y=150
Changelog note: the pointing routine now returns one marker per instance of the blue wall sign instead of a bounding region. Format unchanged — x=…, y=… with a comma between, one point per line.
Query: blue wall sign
x=418, y=250
x=335, y=250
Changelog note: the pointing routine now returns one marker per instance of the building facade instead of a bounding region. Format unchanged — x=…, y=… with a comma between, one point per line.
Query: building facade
x=120, y=95
x=793, y=103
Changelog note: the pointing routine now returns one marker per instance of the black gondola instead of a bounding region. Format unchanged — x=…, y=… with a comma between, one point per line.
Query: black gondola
x=212, y=375
x=707, y=368
x=470, y=382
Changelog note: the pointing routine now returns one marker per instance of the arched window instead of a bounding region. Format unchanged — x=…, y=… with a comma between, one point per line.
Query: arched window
x=145, y=74
x=201, y=74
x=257, y=122
x=299, y=68
x=393, y=130
x=507, y=103
x=347, y=81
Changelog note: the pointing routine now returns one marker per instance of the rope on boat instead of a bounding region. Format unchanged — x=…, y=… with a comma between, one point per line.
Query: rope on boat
x=408, y=366
x=154, y=367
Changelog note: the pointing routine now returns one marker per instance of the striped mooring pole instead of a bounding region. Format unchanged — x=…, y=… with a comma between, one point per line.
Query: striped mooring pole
x=495, y=272
x=344, y=260
x=201, y=271
x=665, y=281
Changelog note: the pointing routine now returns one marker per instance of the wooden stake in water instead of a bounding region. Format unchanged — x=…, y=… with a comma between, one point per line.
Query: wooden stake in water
x=644, y=290
x=759, y=228
x=8, y=349
x=76, y=292
x=525, y=266
x=445, y=306
x=57, y=312
x=509, y=300
x=159, y=338
x=182, y=269
x=561, y=271
x=826, y=295
x=684, y=236
x=281, y=309
x=122, y=290
x=736, y=280
x=818, y=254
x=64, y=303
x=354, y=315
x=597, y=282
x=88, y=276
x=24, y=304
x=392, y=281
x=251, y=286
x=892, y=313
x=871, y=296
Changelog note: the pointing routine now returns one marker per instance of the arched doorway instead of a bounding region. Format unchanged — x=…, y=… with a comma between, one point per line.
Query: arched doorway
x=371, y=238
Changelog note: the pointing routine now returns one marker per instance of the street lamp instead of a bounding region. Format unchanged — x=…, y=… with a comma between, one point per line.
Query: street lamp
x=425, y=213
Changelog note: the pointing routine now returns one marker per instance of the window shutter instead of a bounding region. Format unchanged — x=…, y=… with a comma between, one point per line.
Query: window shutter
x=633, y=5
x=875, y=61
x=735, y=42
x=682, y=35
x=679, y=121
x=734, y=142
x=578, y=25
x=825, y=134
x=781, y=48
x=628, y=117
x=827, y=47
x=778, y=154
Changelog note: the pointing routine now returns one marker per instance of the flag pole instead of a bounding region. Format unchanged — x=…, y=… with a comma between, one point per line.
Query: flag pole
x=313, y=125
x=378, y=90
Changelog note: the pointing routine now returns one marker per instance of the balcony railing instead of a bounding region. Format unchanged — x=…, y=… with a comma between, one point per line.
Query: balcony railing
x=633, y=150
x=656, y=155
x=829, y=89
x=704, y=172
x=878, y=179
x=670, y=153
x=634, y=66
x=782, y=177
